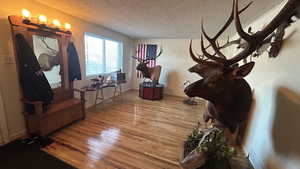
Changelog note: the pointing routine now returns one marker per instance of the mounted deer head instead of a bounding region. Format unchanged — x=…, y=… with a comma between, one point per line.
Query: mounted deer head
x=151, y=73
x=223, y=85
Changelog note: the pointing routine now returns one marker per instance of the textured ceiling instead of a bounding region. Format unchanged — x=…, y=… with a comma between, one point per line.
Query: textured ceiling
x=159, y=18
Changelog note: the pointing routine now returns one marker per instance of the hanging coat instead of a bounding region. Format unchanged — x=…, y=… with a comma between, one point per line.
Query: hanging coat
x=34, y=83
x=74, y=66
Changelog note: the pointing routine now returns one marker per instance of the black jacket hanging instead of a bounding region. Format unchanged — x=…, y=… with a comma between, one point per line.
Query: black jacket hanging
x=73, y=60
x=34, y=83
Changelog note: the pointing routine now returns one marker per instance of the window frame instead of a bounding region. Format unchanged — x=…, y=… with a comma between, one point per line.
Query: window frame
x=121, y=50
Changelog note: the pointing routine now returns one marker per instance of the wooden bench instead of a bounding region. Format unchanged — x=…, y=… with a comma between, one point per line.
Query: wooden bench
x=43, y=121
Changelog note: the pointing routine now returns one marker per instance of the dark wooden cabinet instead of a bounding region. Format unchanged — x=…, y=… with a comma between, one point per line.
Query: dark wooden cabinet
x=151, y=91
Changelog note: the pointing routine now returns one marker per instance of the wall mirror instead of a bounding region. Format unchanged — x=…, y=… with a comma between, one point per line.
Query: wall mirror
x=48, y=55
x=50, y=47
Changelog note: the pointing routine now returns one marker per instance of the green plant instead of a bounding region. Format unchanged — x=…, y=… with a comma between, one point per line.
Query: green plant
x=212, y=143
x=193, y=140
x=215, y=145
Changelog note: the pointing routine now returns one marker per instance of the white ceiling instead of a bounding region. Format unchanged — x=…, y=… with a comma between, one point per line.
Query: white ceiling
x=159, y=18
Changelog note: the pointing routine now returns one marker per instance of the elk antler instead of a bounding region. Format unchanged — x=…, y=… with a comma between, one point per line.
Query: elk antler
x=136, y=58
x=253, y=41
x=240, y=42
x=47, y=46
x=199, y=59
x=159, y=53
x=144, y=60
x=213, y=41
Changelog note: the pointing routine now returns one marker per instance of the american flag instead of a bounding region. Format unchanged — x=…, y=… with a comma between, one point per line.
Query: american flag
x=146, y=51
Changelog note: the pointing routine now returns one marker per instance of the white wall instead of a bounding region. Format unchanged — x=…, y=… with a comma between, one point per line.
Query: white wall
x=175, y=61
x=9, y=81
x=273, y=135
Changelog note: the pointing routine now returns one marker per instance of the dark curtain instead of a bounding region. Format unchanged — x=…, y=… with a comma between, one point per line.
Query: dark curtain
x=34, y=83
x=74, y=66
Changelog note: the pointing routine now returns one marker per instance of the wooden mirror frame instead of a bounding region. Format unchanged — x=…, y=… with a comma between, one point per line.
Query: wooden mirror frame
x=18, y=25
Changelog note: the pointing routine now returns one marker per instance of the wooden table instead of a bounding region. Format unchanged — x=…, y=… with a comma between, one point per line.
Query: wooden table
x=99, y=90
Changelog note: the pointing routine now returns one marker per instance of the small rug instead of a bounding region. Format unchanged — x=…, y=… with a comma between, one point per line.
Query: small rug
x=23, y=154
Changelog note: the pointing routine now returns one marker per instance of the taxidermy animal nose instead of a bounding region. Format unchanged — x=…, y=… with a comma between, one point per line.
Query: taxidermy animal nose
x=186, y=90
x=185, y=85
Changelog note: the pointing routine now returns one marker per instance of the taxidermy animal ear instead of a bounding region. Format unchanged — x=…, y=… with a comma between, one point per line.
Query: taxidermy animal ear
x=147, y=62
x=243, y=71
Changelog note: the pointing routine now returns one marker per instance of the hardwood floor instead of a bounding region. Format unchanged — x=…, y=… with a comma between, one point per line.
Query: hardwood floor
x=129, y=133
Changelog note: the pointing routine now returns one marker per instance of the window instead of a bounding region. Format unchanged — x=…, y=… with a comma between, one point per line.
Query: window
x=102, y=55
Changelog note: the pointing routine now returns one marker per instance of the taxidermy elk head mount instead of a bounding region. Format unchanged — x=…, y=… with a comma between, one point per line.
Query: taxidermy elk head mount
x=151, y=73
x=50, y=59
x=229, y=95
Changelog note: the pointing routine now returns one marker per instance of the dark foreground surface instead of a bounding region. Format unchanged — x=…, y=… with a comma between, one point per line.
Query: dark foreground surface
x=21, y=155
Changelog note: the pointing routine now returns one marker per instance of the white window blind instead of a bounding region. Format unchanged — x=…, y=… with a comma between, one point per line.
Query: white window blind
x=102, y=55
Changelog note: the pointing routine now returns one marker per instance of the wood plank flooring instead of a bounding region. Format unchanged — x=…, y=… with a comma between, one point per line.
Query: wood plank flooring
x=129, y=133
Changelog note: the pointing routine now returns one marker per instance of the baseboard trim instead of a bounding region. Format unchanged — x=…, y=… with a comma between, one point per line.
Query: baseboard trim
x=17, y=135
